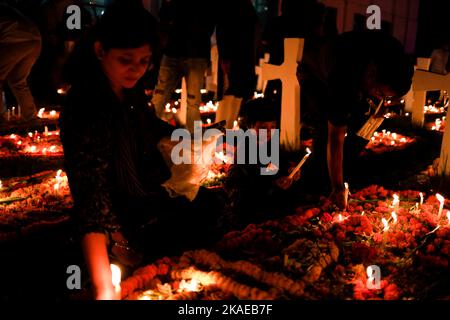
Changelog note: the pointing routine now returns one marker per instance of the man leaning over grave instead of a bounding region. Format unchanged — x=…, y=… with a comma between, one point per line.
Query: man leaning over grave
x=355, y=73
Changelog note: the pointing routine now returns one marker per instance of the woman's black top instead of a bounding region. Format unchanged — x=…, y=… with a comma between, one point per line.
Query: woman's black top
x=111, y=153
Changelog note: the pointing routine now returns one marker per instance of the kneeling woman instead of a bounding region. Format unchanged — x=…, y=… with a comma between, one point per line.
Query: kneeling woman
x=110, y=138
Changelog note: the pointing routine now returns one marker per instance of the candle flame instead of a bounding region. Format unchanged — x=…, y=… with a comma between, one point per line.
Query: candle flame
x=421, y=198
x=116, y=275
x=308, y=151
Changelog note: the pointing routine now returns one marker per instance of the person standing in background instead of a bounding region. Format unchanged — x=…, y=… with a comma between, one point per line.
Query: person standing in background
x=187, y=27
x=20, y=46
x=238, y=34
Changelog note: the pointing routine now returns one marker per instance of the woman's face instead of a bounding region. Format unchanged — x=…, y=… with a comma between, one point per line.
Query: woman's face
x=124, y=67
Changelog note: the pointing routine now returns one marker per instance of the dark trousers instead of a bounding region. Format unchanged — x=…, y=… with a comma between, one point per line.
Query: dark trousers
x=159, y=225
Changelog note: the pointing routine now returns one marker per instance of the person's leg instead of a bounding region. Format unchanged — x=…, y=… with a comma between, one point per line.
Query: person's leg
x=168, y=78
x=9, y=56
x=17, y=79
x=195, y=69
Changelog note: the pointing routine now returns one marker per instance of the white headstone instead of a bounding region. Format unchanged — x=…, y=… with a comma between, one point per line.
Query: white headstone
x=212, y=78
x=290, y=100
x=428, y=81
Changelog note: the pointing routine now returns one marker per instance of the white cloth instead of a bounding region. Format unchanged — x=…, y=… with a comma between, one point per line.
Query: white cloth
x=186, y=179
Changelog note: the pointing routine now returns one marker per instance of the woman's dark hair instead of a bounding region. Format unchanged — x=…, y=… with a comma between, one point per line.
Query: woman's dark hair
x=121, y=27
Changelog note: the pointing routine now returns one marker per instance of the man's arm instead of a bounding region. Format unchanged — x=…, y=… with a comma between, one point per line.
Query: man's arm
x=335, y=159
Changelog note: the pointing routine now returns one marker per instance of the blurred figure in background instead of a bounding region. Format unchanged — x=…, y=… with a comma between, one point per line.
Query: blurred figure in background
x=20, y=46
x=237, y=54
x=188, y=27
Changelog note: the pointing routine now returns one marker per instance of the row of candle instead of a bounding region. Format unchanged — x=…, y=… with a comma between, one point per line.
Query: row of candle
x=433, y=109
x=50, y=115
x=12, y=113
x=438, y=124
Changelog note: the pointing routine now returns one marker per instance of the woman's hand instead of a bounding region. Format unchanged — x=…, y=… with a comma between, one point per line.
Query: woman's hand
x=106, y=292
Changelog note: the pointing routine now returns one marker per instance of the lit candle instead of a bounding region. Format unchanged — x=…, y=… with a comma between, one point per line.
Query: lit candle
x=394, y=217
x=46, y=131
x=346, y=193
x=441, y=204
x=421, y=198
x=1, y=185
x=53, y=114
x=116, y=275
x=13, y=110
x=300, y=164
x=208, y=121
x=385, y=224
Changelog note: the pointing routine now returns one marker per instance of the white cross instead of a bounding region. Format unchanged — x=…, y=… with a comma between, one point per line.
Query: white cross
x=290, y=100
x=428, y=81
x=420, y=96
x=261, y=84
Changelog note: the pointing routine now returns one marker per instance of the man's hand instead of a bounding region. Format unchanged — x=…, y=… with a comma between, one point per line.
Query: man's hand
x=338, y=198
x=284, y=183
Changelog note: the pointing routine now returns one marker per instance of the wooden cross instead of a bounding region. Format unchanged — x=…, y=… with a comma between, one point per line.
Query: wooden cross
x=428, y=81
x=261, y=84
x=290, y=100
